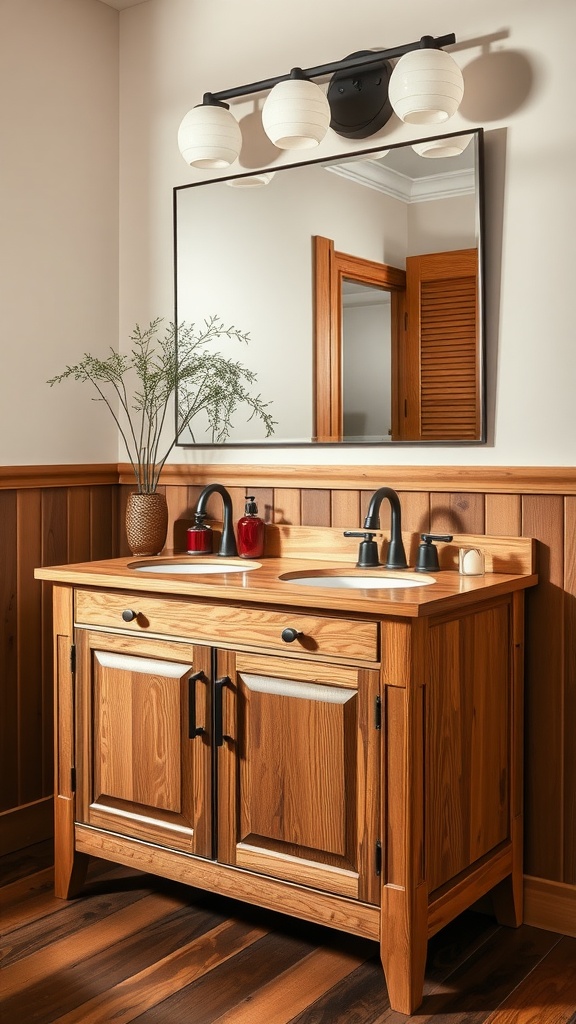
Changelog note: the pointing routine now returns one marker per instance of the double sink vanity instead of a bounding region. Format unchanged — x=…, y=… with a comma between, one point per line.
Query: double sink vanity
x=340, y=744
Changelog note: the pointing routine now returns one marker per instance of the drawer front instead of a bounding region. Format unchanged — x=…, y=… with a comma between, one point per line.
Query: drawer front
x=229, y=625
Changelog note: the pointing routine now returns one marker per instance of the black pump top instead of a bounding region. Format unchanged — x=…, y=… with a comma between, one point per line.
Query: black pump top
x=251, y=506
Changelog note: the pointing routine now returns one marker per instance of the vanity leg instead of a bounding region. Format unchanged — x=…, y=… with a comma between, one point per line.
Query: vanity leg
x=69, y=866
x=508, y=896
x=404, y=906
x=403, y=945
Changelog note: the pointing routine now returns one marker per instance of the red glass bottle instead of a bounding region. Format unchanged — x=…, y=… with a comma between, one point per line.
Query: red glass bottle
x=199, y=536
x=250, y=531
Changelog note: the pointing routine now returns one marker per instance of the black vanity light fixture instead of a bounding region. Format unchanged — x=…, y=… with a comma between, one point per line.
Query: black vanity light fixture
x=424, y=86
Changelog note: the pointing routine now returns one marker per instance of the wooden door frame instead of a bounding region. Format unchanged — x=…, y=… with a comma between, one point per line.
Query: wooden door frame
x=330, y=269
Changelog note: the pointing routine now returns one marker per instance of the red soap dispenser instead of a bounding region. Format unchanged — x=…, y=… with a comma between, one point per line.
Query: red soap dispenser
x=250, y=531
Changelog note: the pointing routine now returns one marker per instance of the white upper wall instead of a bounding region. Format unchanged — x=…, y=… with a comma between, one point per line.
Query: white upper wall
x=518, y=64
x=59, y=224
x=58, y=201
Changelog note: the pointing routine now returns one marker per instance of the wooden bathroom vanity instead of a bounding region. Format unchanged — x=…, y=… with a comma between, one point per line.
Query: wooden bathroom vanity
x=349, y=757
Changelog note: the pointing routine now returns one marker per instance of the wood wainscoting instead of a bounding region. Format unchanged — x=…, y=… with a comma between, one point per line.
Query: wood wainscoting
x=50, y=515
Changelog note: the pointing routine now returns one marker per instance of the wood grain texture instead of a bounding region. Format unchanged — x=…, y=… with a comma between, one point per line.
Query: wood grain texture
x=569, y=690
x=425, y=477
x=135, y=947
x=548, y=995
x=550, y=905
x=549, y=766
x=543, y=518
x=9, y=690
x=469, y=725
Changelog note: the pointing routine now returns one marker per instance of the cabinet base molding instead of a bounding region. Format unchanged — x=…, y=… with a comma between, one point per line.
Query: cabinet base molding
x=550, y=905
x=297, y=901
x=446, y=904
x=25, y=825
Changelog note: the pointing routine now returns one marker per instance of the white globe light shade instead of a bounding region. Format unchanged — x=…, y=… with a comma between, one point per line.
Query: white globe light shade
x=209, y=136
x=296, y=114
x=441, y=148
x=256, y=180
x=426, y=86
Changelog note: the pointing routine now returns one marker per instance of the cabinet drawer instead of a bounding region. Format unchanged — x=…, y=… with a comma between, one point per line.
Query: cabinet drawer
x=229, y=625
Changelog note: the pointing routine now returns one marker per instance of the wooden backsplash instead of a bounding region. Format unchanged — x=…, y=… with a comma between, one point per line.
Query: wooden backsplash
x=51, y=515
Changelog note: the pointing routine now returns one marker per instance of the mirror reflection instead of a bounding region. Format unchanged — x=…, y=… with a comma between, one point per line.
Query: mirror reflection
x=339, y=351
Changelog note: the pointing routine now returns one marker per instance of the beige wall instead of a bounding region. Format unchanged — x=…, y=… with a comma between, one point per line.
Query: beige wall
x=517, y=64
x=59, y=223
x=59, y=208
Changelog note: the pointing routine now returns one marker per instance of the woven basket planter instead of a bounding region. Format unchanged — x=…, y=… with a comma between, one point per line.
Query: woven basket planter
x=146, y=523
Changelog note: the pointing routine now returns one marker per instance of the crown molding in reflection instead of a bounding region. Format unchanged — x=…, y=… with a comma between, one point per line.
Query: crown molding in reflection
x=373, y=174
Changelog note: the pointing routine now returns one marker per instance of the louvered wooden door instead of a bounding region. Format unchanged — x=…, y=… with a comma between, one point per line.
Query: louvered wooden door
x=440, y=371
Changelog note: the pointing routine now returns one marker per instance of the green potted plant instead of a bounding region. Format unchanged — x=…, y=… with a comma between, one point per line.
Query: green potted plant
x=138, y=388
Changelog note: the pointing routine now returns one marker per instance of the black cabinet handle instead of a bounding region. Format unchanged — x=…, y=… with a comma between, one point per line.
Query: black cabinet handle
x=289, y=634
x=128, y=615
x=219, y=685
x=193, y=729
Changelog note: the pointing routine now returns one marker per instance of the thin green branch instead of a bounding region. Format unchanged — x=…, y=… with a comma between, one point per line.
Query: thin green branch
x=179, y=366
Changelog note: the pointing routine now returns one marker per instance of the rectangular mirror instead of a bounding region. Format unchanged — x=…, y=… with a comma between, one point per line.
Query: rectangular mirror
x=359, y=282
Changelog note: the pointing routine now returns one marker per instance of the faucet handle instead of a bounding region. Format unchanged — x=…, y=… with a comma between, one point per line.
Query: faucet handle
x=427, y=559
x=368, y=551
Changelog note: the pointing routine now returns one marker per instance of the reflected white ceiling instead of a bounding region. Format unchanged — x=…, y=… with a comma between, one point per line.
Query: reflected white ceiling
x=121, y=4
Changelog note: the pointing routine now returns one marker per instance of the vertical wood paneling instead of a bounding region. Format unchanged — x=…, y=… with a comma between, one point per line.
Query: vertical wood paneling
x=79, y=521
x=415, y=511
x=287, y=506
x=121, y=543
x=265, y=501
x=102, y=521
x=569, y=771
x=345, y=509
x=54, y=525
x=315, y=507
x=177, y=502
x=8, y=641
x=457, y=513
x=543, y=518
x=503, y=515
x=33, y=701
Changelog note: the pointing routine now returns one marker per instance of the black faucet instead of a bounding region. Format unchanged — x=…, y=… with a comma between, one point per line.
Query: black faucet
x=228, y=542
x=396, y=555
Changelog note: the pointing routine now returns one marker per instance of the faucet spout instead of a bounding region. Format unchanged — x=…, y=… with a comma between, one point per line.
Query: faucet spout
x=228, y=541
x=396, y=556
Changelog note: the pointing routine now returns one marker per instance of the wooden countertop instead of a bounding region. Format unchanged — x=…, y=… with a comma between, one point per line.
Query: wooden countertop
x=263, y=585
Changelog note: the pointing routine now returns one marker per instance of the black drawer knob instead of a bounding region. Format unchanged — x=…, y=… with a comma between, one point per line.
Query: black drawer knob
x=128, y=615
x=289, y=634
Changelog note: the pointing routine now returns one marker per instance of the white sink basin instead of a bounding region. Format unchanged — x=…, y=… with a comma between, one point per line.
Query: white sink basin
x=357, y=581
x=194, y=566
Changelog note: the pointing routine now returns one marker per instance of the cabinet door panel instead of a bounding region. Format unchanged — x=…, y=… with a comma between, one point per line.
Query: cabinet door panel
x=297, y=771
x=137, y=725
x=469, y=725
x=289, y=771
x=140, y=771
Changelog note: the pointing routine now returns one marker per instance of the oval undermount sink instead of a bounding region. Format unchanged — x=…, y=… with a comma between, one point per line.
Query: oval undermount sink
x=193, y=567
x=356, y=581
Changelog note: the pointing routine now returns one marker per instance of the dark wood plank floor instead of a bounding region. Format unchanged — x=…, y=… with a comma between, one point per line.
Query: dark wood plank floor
x=138, y=948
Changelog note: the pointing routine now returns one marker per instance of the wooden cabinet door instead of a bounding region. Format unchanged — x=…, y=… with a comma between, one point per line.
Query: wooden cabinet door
x=298, y=770
x=143, y=751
